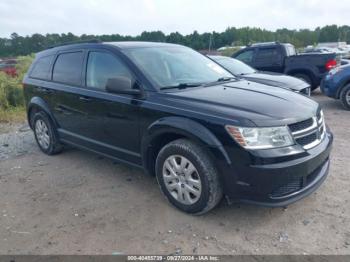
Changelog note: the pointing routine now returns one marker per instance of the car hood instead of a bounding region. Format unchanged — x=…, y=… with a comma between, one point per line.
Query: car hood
x=244, y=103
x=275, y=79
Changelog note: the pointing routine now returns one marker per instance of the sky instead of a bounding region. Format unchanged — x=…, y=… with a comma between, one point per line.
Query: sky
x=131, y=17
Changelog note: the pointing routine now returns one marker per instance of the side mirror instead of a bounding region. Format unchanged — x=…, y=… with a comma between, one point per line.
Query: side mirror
x=121, y=85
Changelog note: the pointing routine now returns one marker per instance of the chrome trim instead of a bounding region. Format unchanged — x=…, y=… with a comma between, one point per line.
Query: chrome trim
x=316, y=127
x=321, y=118
x=313, y=126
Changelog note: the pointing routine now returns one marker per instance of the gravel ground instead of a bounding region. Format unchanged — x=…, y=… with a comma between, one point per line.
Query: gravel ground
x=80, y=203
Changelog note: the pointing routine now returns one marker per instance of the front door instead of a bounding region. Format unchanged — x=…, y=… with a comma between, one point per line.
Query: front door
x=112, y=120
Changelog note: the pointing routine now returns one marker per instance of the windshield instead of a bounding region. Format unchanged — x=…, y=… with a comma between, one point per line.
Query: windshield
x=235, y=66
x=175, y=66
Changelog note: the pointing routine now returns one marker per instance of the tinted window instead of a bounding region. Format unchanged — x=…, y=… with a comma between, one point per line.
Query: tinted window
x=267, y=54
x=41, y=68
x=103, y=66
x=246, y=57
x=68, y=68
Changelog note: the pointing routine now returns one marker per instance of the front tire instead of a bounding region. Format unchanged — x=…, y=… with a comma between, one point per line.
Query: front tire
x=45, y=134
x=345, y=97
x=187, y=177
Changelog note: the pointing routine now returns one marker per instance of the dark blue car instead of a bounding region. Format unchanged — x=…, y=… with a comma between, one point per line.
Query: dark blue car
x=336, y=84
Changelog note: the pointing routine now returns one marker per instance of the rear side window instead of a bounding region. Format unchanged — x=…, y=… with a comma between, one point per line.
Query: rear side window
x=246, y=57
x=267, y=54
x=103, y=66
x=290, y=50
x=41, y=68
x=68, y=68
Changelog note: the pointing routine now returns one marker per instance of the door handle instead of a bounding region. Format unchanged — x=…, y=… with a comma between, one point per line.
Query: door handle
x=85, y=98
x=44, y=90
x=63, y=110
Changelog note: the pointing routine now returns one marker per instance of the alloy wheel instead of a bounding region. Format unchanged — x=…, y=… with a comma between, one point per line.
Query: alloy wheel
x=347, y=97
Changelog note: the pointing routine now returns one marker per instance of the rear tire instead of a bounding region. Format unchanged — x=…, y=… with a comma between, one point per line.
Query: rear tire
x=345, y=97
x=187, y=177
x=307, y=79
x=46, y=134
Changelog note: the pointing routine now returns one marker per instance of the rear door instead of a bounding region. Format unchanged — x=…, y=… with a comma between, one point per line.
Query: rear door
x=269, y=59
x=67, y=81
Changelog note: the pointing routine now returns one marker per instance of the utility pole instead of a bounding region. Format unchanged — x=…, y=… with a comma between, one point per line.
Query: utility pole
x=210, y=39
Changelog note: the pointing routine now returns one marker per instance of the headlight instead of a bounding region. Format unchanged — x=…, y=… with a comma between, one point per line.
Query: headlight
x=261, y=138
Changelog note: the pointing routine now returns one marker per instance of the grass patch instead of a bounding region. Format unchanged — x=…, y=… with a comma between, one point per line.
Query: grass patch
x=13, y=115
x=12, y=107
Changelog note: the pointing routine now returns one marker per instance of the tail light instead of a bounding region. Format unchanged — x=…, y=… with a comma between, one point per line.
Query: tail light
x=331, y=64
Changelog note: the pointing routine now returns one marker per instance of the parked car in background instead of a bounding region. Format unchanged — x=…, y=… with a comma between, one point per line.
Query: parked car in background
x=340, y=48
x=181, y=117
x=336, y=84
x=9, y=67
x=282, y=58
x=341, y=52
x=244, y=71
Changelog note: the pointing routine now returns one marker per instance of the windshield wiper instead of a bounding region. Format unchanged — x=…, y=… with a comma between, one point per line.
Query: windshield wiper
x=221, y=79
x=181, y=86
x=224, y=79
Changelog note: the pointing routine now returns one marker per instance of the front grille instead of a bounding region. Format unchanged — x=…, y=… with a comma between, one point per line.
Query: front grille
x=301, y=125
x=305, y=140
x=309, y=133
x=294, y=184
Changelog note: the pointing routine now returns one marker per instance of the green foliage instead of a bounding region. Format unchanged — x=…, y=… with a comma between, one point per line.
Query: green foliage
x=11, y=93
x=24, y=45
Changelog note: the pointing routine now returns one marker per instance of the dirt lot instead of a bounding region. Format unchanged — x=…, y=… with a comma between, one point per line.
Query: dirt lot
x=80, y=203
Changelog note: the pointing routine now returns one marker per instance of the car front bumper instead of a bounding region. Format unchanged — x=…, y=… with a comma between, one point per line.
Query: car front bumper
x=281, y=183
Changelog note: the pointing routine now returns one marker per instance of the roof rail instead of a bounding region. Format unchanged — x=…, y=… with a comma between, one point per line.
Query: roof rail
x=91, y=41
x=265, y=43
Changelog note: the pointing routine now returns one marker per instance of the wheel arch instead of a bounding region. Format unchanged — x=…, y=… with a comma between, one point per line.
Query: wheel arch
x=168, y=129
x=342, y=86
x=304, y=71
x=38, y=104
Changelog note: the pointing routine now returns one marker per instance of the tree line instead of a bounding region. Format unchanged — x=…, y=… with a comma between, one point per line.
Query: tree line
x=22, y=45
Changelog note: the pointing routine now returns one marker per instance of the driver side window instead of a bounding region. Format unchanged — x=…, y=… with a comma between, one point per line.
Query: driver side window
x=102, y=66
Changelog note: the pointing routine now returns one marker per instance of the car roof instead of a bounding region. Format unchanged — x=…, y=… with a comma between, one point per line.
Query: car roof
x=119, y=45
x=138, y=44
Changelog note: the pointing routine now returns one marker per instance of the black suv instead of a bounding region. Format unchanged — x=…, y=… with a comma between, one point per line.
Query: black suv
x=183, y=118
